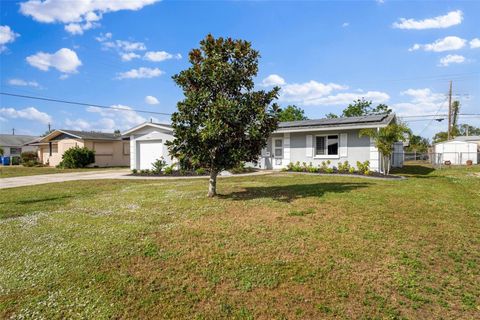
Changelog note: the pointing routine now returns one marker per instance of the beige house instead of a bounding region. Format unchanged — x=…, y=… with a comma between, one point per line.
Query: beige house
x=110, y=149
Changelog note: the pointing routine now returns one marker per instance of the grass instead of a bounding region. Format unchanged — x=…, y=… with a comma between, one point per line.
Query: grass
x=21, y=171
x=271, y=247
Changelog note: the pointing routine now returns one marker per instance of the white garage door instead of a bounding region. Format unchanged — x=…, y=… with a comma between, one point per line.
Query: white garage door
x=149, y=152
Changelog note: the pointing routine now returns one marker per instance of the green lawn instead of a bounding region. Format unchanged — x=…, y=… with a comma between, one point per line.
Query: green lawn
x=20, y=171
x=271, y=247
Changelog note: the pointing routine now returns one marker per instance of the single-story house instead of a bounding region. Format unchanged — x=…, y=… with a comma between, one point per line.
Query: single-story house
x=307, y=141
x=14, y=145
x=457, y=151
x=110, y=149
x=147, y=144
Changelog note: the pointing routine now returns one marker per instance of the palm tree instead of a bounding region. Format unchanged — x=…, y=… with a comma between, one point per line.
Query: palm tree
x=384, y=138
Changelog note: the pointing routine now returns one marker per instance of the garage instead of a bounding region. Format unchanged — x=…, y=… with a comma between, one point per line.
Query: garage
x=149, y=152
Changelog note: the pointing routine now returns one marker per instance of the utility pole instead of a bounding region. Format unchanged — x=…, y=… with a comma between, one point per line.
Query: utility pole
x=13, y=131
x=49, y=127
x=449, y=110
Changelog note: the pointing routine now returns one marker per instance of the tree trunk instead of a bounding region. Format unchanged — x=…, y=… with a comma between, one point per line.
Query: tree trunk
x=212, y=184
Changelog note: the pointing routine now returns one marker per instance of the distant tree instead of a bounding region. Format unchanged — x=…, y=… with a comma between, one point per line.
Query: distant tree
x=443, y=135
x=468, y=130
x=417, y=144
x=117, y=132
x=222, y=121
x=291, y=113
x=361, y=107
x=331, y=115
x=384, y=138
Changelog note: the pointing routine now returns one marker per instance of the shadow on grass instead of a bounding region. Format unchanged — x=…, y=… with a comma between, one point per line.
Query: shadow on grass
x=292, y=192
x=40, y=200
x=414, y=170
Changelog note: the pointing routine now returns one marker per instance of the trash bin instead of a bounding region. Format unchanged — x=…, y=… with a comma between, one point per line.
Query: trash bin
x=6, y=161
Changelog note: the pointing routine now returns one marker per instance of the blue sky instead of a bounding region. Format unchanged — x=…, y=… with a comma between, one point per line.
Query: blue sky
x=322, y=54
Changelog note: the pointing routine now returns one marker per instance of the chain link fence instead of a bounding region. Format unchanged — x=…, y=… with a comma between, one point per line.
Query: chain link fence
x=440, y=159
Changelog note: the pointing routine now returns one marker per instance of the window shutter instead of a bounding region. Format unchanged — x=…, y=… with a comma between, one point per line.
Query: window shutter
x=309, y=148
x=343, y=145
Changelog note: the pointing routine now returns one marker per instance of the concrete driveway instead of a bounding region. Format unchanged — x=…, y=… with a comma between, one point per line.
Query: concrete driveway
x=94, y=175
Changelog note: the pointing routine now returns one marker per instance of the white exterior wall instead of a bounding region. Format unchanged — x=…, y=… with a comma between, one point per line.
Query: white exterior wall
x=299, y=146
x=148, y=134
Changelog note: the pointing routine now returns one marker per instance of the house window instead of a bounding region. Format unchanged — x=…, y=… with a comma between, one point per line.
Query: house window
x=15, y=150
x=278, y=148
x=326, y=145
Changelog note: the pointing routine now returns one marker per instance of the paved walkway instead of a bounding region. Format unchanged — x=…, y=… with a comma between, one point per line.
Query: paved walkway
x=96, y=175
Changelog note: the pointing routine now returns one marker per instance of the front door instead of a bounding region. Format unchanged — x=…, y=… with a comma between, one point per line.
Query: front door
x=277, y=146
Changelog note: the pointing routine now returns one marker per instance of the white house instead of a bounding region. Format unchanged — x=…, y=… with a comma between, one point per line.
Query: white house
x=310, y=141
x=147, y=144
x=14, y=145
x=458, y=152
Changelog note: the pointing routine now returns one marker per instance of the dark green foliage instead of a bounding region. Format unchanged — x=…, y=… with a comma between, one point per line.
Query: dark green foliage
x=222, y=121
x=291, y=113
x=29, y=158
x=331, y=116
x=417, y=144
x=361, y=107
x=77, y=157
x=468, y=130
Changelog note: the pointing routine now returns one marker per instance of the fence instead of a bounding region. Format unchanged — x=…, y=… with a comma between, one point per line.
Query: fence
x=441, y=159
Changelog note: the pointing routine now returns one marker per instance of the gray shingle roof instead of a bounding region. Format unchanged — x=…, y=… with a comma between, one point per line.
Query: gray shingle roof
x=15, y=140
x=377, y=119
x=92, y=135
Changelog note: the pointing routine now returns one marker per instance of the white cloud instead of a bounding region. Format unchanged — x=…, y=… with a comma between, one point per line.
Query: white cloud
x=308, y=91
x=122, y=117
x=450, y=19
x=475, y=43
x=23, y=83
x=446, y=44
x=6, y=36
x=77, y=16
x=421, y=102
x=64, y=60
x=273, y=80
x=151, y=100
x=345, y=24
x=313, y=93
x=451, y=58
x=30, y=113
x=129, y=56
x=140, y=73
x=158, y=56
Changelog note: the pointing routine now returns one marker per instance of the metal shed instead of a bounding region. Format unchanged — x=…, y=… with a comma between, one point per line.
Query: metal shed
x=457, y=152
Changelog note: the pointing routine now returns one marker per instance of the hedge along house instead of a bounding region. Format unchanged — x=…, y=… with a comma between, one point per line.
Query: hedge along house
x=337, y=140
x=110, y=149
x=147, y=144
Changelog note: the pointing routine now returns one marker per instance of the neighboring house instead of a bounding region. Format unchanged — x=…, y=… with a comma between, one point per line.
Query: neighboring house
x=457, y=151
x=14, y=145
x=337, y=140
x=303, y=141
x=110, y=149
x=147, y=144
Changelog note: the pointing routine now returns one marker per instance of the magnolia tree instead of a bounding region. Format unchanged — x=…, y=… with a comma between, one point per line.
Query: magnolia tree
x=384, y=138
x=222, y=121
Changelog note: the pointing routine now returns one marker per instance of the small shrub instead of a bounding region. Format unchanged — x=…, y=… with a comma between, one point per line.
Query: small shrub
x=240, y=168
x=134, y=171
x=29, y=158
x=77, y=157
x=297, y=167
x=364, y=167
x=169, y=170
x=304, y=167
x=351, y=170
x=158, y=165
x=343, y=167
x=329, y=170
x=200, y=171
x=311, y=168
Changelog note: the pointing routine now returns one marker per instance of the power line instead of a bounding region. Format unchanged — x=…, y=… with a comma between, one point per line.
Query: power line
x=81, y=103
